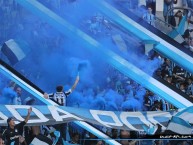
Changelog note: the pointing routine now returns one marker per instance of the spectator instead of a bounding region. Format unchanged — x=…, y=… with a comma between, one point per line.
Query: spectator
x=189, y=89
x=119, y=87
x=154, y=98
x=166, y=69
x=188, y=3
x=75, y=138
x=92, y=140
x=149, y=17
x=182, y=87
x=9, y=95
x=187, y=33
x=108, y=132
x=157, y=106
x=152, y=4
x=60, y=98
x=13, y=134
x=147, y=102
x=2, y=142
x=125, y=136
x=114, y=133
x=168, y=4
x=100, y=142
x=179, y=15
x=18, y=97
x=178, y=74
x=94, y=26
x=33, y=130
x=169, y=80
x=186, y=42
x=28, y=133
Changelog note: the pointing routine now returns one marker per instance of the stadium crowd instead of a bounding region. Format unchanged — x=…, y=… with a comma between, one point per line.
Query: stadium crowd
x=132, y=96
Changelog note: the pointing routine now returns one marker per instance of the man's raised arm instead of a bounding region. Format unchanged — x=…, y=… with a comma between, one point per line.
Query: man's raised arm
x=28, y=114
x=75, y=83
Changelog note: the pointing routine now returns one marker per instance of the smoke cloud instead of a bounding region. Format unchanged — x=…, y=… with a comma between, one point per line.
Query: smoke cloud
x=56, y=59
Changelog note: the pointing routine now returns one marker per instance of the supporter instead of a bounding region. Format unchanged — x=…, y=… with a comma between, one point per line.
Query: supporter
x=187, y=38
x=149, y=17
x=191, y=45
x=179, y=15
x=114, y=133
x=9, y=95
x=166, y=68
x=14, y=93
x=152, y=4
x=100, y=142
x=125, y=138
x=182, y=87
x=188, y=3
x=60, y=98
x=168, y=4
x=147, y=102
x=153, y=97
x=94, y=26
x=2, y=142
x=28, y=133
x=164, y=105
x=157, y=106
x=169, y=80
x=33, y=131
x=189, y=89
x=75, y=138
x=178, y=74
x=108, y=132
x=13, y=134
x=18, y=100
x=91, y=140
x=119, y=86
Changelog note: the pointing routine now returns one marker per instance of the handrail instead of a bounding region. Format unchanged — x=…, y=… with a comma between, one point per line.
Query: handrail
x=184, y=8
x=166, y=23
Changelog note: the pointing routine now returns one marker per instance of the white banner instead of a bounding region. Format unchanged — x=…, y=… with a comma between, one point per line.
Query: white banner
x=46, y=115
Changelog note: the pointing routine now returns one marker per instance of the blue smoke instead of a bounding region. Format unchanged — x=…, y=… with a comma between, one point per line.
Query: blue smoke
x=56, y=59
x=8, y=96
x=113, y=99
x=81, y=66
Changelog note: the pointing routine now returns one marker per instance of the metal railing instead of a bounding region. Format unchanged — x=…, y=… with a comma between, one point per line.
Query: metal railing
x=183, y=8
x=163, y=26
